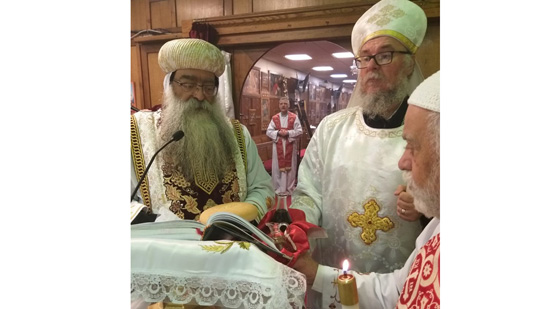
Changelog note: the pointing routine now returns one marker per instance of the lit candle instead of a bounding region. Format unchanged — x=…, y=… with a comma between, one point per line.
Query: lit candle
x=347, y=288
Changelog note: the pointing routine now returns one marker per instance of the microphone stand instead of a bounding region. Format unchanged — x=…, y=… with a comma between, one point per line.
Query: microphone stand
x=175, y=137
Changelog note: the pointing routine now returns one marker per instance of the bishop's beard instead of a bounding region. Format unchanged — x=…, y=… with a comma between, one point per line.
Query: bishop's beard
x=426, y=199
x=209, y=143
x=379, y=103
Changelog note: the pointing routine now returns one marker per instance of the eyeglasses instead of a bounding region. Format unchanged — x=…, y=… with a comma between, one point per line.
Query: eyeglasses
x=208, y=89
x=382, y=58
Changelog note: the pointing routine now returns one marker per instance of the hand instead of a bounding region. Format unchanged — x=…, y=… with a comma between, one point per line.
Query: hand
x=307, y=266
x=405, y=205
x=283, y=133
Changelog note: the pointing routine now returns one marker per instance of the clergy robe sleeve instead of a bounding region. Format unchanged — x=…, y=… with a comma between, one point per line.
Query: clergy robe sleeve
x=258, y=181
x=271, y=131
x=307, y=196
x=376, y=291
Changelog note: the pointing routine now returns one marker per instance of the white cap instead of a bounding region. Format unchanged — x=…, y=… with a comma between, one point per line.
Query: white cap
x=426, y=95
x=191, y=54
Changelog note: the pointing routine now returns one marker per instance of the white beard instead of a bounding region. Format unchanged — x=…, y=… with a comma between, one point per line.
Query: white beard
x=209, y=143
x=426, y=200
x=381, y=103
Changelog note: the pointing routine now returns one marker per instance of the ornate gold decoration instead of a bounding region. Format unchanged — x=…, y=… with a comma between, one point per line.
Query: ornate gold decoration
x=191, y=204
x=235, y=185
x=386, y=15
x=222, y=246
x=226, y=197
x=172, y=193
x=238, y=130
x=139, y=162
x=370, y=222
x=210, y=203
x=205, y=181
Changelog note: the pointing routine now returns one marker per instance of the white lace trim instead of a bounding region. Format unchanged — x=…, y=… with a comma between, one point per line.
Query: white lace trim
x=208, y=291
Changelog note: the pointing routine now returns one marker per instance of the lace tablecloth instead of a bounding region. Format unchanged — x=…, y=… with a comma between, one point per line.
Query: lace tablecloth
x=224, y=273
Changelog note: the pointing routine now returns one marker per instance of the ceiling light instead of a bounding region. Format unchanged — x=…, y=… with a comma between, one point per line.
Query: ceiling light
x=321, y=68
x=343, y=55
x=298, y=57
x=349, y=81
x=338, y=75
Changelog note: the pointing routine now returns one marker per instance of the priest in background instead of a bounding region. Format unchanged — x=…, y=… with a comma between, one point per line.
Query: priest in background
x=284, y=130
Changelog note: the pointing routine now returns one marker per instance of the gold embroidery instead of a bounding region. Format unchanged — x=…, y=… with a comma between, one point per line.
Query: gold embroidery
x=238, y=130
x=388, y=32
x=176, y=209
x=210, y=203
x=226, y=198
x=191, y=204
x=172, y=193
x=386, y=15
x=228, y=176
x=235, y=186
x=139, y=162
x=205, y=181
x=177, y=179
x=222, y=246
x=370, y=222
x=244, y=245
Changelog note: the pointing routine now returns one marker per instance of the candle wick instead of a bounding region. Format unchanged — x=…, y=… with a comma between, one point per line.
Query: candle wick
x=345, y=272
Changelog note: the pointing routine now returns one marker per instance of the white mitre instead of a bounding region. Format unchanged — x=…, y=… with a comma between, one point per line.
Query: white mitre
x=402, y=20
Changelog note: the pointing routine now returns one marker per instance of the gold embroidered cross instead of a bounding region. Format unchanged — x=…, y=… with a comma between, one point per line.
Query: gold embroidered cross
x=370, y=222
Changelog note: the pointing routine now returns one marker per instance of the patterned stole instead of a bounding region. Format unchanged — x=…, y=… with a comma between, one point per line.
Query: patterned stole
x=284, y=158
x=188, y=200
x=421, y=288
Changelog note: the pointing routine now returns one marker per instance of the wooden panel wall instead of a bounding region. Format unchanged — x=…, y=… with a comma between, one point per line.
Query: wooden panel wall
x=156, y=78
x=140, y=15
x=263, y=5
x=136, y=76
x=428, y=55
x=195, y=9
x=163, y=14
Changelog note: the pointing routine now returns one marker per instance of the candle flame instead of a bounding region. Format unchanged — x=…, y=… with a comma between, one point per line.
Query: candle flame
x=345, y=265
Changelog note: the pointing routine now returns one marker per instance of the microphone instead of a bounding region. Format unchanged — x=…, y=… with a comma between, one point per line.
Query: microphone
x=175, y=137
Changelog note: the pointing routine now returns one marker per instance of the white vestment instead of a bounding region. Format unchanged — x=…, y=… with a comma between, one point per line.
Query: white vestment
x=346, y=184
x=284, y=181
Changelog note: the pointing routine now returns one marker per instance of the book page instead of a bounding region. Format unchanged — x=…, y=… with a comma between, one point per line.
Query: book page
x=177, y=229
x=243, y=225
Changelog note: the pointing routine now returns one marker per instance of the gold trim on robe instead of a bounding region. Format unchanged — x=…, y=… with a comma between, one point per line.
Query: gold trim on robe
x=139, y=162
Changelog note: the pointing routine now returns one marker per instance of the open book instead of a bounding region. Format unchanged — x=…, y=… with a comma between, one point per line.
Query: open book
x=221, y=225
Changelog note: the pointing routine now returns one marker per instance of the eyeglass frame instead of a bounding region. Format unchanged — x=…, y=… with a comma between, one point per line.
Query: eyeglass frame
x=194, y=87
x=368, y=58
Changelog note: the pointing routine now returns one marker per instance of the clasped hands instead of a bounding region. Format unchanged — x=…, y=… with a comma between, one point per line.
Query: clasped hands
x=283, y=133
